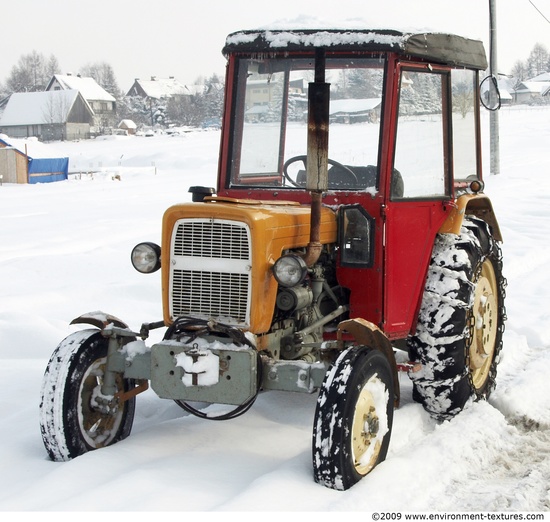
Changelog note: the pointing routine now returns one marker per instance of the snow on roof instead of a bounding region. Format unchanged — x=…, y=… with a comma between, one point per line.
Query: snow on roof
x=30, y=146
x=88, y=87
x=353, y=106
x=533, y=87
x=167, y=87
x=129, y=124
x=445, y=48
x=542, y=77
x=37, y=108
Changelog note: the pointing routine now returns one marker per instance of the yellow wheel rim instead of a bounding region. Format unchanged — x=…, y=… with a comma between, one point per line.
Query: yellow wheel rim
x=485, y=315
x=367, y=432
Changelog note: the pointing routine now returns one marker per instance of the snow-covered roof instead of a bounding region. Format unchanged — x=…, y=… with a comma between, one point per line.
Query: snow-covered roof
x=542, y=77
x=128, y=124
x=166, y=87
x=88, y=87
x=445, y=48
x=533, y=87
x=353, y=106
x=37, y=108
x=30, y=146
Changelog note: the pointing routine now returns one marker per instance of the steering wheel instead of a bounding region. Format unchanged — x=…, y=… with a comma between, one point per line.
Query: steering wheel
x=303, y=159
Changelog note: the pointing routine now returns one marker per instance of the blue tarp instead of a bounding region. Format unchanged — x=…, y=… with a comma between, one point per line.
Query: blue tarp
x=45, y=170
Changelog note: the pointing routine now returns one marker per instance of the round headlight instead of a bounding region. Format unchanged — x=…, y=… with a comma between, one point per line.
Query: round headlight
x=146, y=258
x=290, y=270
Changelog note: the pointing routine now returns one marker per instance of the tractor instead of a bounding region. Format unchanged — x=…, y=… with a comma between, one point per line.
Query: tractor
x=348, y=239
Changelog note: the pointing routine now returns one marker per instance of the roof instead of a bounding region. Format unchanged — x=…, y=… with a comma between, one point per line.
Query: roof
x=354, y=106
x=533, y=87
x=29, y=146
x=88, y=87
x=129, y=124
x=437, y=47
x=37, y=108
x=542, y=77
x=165, y=87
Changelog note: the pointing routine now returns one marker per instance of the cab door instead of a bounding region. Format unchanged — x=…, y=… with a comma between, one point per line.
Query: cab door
x=418, y=190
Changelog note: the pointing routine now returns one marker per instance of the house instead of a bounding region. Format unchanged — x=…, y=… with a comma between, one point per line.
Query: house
x=162, y=88
x=16, y=166
x=534, y=90
x=355, y=110
x=505, y=88
x=531, y=92
x=50, y=115
x=102, y=103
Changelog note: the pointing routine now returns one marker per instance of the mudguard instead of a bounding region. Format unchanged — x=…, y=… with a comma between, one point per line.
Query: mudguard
x=368, y=334
x=99, y=319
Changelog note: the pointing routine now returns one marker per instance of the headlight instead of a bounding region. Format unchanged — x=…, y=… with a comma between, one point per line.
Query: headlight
x=290, y=270
x=146, y=258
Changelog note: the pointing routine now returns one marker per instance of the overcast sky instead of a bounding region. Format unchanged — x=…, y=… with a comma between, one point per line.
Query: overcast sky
x=183, y=38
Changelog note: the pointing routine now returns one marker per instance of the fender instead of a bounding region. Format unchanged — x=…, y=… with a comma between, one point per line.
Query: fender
x=478, y=205
x=99, y=319
x=368, y=334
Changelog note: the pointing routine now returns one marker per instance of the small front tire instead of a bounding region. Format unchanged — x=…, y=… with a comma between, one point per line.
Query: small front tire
x=74, y=417
x=353, y=418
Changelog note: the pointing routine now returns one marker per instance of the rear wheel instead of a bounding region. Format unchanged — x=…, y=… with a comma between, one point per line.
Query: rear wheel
x=461, y=321
x=353, y=418
x=74, y=416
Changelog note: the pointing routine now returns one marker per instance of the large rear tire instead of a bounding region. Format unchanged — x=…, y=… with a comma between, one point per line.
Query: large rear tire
x=73, y=419
x=461, y=322
x=353, y=418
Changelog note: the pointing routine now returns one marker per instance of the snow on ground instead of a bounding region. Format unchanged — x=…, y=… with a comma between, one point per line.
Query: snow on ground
x=65, y=251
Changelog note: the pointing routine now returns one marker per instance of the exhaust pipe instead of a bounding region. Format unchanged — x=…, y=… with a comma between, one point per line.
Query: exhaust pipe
x=317, y=153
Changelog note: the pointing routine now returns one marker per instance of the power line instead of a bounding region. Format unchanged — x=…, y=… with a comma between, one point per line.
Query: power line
x=539, y=11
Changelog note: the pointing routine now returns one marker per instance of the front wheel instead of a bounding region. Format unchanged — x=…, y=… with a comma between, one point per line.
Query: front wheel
x=353, y=418
x=74, y=416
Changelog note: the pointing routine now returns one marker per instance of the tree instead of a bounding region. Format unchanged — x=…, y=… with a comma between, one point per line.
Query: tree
x=104, y=75
x=198, y=109
x=520, y=71
x=32, y=73
x=538, y=60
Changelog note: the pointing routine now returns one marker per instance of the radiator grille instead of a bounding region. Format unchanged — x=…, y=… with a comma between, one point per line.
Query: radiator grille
x=220, y=240
x=211, y=270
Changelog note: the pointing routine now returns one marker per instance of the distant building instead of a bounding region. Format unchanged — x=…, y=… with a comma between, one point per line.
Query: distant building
x=102, y=103
x=531, y=91
x=162, y=88
x=51, y=115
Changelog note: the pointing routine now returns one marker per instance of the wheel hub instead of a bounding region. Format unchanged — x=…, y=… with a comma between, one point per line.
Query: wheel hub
x=365, y=433
x=101, y=415
x=485, y=315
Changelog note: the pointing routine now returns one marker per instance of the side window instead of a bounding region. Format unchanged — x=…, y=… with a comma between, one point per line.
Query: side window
x=356, y=237
x=464, y=123
x=420, y=162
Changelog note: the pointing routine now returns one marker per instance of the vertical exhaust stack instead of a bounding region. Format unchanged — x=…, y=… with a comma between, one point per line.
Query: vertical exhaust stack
x=317, y=153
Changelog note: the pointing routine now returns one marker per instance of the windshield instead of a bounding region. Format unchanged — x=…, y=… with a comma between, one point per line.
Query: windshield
x=270, y=138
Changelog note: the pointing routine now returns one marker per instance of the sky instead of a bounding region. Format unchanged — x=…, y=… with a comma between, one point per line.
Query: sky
x=183, y=38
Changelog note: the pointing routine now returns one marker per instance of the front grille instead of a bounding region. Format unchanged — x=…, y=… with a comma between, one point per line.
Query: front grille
x=211, y=270
x=220, y=240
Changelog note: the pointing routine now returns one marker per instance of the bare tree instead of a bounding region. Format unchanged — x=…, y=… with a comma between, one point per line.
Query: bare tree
x=520, y=71
x=32, y=73
x=104, y=75
x=538, y=60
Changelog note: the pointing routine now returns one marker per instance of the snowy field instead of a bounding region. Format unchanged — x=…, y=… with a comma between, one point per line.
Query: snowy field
x=65, y=250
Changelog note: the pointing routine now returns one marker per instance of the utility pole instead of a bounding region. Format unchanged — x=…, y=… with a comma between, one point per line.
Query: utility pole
x=493, y=93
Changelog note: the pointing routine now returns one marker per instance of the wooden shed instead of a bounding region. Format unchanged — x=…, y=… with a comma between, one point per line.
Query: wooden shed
x=13, y=166
x=16, y=166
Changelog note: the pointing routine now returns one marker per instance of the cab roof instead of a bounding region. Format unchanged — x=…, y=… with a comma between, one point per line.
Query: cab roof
x=442, y=48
